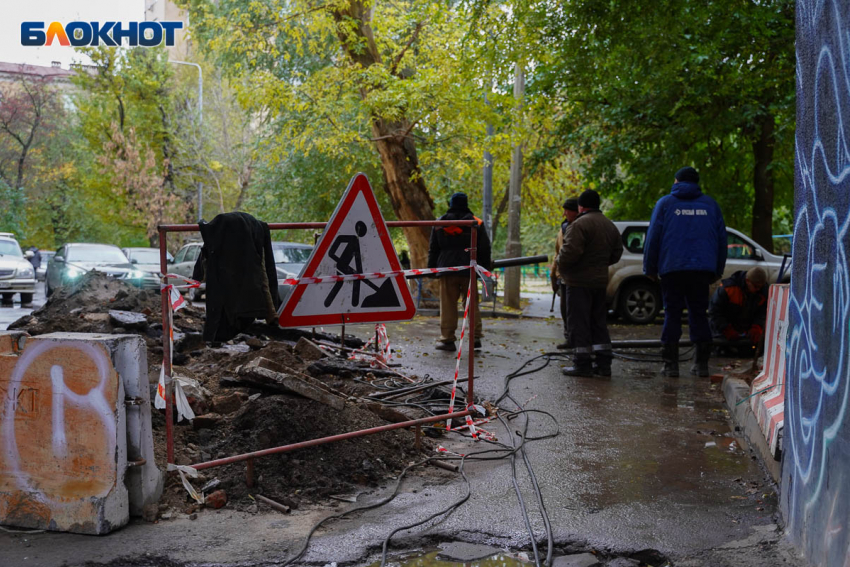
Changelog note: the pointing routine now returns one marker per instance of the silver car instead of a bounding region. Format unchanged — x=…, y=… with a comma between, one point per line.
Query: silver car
x=16, y=274
x=183, y=264
x=637, y=299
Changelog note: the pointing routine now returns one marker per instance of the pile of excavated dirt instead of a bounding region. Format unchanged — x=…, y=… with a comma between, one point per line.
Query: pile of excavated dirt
x=232, y=417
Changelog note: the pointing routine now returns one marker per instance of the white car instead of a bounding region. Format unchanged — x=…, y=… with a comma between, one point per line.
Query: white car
x=16, y=274
x=637, y=299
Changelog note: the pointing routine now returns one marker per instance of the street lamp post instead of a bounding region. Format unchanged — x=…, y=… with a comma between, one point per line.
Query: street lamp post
x=200, y=123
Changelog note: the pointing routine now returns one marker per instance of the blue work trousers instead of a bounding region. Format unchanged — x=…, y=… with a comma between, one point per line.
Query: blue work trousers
x=686, y=289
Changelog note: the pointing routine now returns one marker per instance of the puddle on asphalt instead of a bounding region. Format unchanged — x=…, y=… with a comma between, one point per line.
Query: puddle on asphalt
x=433, y=559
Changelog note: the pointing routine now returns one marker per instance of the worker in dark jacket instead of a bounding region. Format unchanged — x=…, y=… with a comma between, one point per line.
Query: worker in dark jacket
x=558, y=285
x=738, y=309
x=449, y=247
x=591, y=244
x=686, y=247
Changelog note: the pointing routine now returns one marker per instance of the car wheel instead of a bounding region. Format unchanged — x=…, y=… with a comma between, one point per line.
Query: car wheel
x=640, y=302
x=26, y=298
x=7, y=298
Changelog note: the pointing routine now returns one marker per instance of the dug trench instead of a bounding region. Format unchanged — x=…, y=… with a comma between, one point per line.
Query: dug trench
x=235, y=414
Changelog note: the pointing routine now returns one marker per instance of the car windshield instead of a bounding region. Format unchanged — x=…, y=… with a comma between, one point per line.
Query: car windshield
x=145, y=256
x=287, y=255
x=96, y=253
x=10, y=248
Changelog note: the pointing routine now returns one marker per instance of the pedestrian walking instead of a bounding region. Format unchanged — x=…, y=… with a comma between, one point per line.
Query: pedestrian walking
x=559, y=287
x=591, y=244
x=738, y=309
x=449, y=247
x=686, y=248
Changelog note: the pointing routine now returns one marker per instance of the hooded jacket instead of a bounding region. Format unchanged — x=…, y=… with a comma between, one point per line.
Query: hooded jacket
x=686, y=233
x=449, y=244
x=732, y=304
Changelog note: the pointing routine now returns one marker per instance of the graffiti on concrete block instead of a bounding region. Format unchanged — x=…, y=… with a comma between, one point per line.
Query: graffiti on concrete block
x=64, y=452
x=816, y=447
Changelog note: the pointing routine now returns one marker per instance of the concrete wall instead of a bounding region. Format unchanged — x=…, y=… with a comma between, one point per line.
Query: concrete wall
x=816, y=443
x=64, y=442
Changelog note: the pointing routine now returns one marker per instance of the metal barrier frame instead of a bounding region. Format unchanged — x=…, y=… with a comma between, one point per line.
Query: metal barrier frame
x=164, y=229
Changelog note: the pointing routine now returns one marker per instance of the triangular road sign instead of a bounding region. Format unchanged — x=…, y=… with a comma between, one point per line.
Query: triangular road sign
x=355, y=241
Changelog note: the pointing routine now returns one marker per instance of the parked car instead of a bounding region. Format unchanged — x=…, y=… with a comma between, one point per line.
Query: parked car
x=73, y=260
x=146, y=259
x=637, y=299
x=289, y=259
x=16, y=274
x=183, y=264
x=41, y=271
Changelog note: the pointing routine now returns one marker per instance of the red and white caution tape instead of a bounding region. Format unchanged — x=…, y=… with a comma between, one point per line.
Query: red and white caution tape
x=469, y=423
x=175, y=298
x=176, y=301
x=390, y=274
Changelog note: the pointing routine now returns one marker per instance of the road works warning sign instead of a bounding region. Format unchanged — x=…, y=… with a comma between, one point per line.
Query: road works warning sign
x=355, y=241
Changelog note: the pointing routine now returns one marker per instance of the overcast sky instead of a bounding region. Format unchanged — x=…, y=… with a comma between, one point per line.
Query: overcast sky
x=64, y=11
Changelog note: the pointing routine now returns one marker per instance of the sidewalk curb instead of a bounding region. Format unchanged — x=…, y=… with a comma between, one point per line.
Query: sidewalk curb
x=485, y=313
x=735, y=390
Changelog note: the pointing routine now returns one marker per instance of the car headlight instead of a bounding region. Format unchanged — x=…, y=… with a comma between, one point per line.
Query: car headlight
x=136, y=275
x=73, y=273
x=26, y=272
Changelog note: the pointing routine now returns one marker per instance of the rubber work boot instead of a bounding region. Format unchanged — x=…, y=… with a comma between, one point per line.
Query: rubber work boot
x=446, y=345
x=580, y=368
x=670, y=356
x=701, y=355
x=603, y=363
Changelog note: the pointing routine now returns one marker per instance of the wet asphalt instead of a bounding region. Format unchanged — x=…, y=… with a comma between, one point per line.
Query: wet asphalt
x=11, y=313
x=640, y=462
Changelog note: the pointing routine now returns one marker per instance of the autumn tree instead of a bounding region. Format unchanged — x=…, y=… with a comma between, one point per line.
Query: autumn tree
x=644, y=92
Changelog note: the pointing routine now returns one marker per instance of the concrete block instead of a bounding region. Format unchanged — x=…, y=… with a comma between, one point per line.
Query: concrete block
x=63, y=431
x=144, y=482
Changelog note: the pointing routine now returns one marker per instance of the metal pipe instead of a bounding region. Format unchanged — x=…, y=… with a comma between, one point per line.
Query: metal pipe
x=473, y=304
x=331, y=439
x=166, y=346
x=520, y=261
x=643, y=344
x=272, y=504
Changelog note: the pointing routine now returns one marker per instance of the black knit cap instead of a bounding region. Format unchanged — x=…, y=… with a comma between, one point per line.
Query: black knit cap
x=688, y=175
x=571, y=204
x=589, y=199
x=458, y=201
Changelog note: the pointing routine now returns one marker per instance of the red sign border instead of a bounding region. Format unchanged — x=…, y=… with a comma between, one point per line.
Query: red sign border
x=358, y=184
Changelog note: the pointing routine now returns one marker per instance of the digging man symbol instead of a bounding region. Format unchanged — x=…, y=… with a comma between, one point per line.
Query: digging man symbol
x=349, y=261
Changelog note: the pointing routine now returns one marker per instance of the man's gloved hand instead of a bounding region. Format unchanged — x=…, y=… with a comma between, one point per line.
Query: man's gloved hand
x=730, y=333
x=553, y=279
x=755, y=334
x=653, y=277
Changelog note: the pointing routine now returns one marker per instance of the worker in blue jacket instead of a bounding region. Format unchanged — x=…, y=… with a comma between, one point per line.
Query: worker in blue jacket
x=686, y=248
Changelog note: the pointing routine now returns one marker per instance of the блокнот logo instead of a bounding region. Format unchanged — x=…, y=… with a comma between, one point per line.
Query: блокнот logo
x=78, y=34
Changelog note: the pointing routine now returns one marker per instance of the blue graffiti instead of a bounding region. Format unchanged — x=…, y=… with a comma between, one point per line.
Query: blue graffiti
x=816, y=451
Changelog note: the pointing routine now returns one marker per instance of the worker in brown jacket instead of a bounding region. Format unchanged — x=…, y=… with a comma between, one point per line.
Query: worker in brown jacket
x=591, y=244
x=558, y=285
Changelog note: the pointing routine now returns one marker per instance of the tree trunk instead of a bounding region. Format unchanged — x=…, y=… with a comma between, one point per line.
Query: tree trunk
x=763, y=182
x=402, y=177
x=513, y=248
x=404, y=184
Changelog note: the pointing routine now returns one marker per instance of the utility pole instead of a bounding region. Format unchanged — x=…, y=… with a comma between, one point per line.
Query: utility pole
x=513, y=249
x=488, y=180
x=200, y=124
